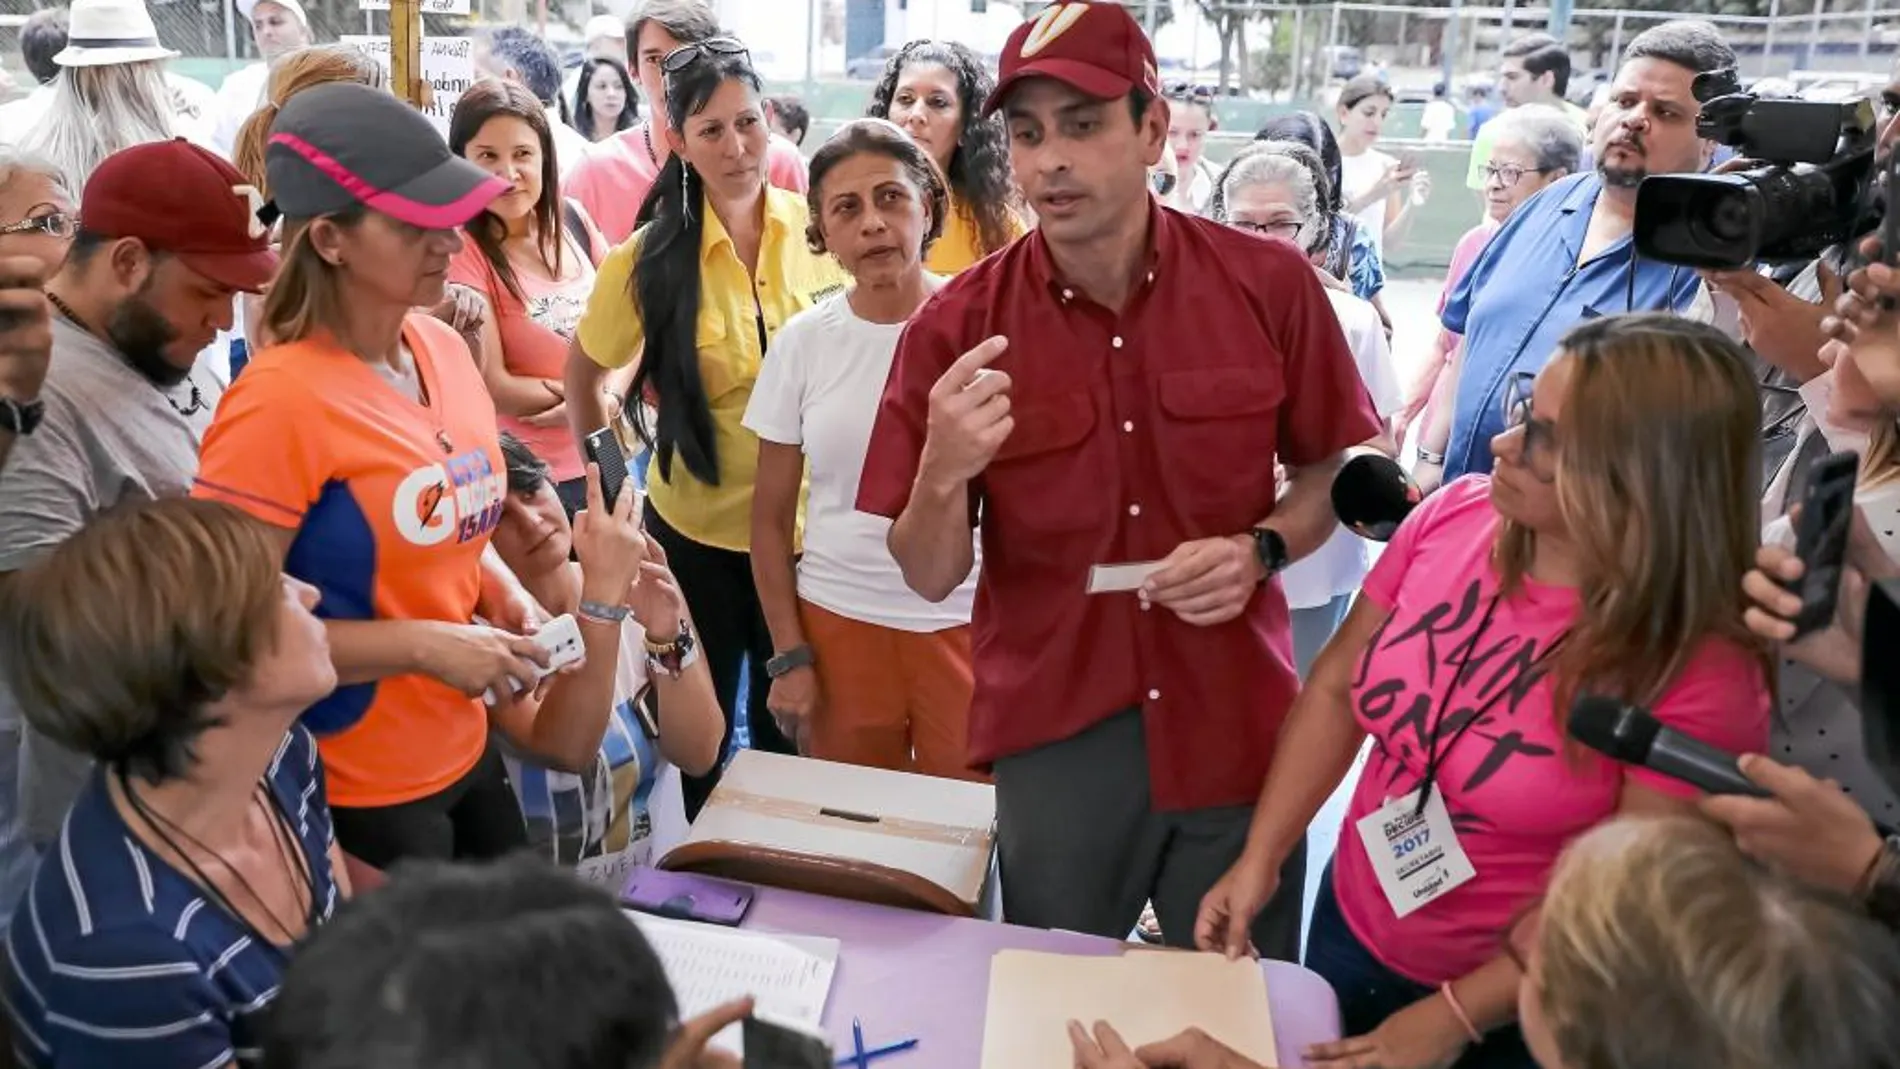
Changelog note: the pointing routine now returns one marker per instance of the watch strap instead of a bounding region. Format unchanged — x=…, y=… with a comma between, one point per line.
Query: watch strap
x=1270, y=547
x=20, y=417
x=791, y=660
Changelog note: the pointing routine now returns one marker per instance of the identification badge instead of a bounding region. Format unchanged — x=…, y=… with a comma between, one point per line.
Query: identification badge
x=1416, y=855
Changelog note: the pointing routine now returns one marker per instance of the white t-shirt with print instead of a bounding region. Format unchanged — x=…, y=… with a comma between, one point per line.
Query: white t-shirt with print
x=819, y=390
x=1338, y=565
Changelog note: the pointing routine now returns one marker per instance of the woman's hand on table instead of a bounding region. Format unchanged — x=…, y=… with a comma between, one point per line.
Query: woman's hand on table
x=1192, y=1049
x=1424, y=1035
x=688, y=1049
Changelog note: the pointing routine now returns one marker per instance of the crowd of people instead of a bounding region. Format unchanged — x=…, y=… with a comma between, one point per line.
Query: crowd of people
x=294, y=393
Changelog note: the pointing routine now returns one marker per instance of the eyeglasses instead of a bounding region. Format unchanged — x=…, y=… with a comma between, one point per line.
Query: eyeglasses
x=1188, y=91
x=1284, y=229
x=1540, y=435
x=686, y=55
x=1508, y=174
x=52, y=224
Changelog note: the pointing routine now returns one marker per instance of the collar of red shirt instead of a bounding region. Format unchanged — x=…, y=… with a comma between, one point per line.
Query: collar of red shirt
x=1162, y=241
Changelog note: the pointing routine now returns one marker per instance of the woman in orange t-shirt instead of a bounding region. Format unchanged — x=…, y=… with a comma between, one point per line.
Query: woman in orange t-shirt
x=365, y=437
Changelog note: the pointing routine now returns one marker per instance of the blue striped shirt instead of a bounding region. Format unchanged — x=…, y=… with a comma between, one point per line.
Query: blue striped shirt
x=119, y=959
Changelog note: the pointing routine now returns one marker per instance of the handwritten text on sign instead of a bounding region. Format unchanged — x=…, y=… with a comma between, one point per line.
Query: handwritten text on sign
x=429, y=7
x=448, y=65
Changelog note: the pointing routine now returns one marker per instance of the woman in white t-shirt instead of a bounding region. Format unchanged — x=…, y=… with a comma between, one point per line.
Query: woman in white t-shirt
x=1380, y=189
x=1275, y=189
x=589, y=755
x=867, y=671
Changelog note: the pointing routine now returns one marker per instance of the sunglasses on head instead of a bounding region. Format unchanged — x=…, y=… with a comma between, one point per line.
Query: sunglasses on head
x=686, y=55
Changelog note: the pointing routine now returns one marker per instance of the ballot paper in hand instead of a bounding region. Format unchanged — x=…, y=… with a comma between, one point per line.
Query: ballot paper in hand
x=1120, y=578
x=787, y=976
x=1146, y=996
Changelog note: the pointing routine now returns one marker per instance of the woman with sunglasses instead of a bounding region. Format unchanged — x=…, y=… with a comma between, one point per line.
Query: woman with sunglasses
x=934, y=91
x=1499, y=603
x=364, y=437
x=696, y=296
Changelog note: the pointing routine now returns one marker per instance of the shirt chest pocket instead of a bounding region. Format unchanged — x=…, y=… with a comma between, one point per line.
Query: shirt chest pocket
x=1043, y=479
x=1216, y=439
x=726, y=364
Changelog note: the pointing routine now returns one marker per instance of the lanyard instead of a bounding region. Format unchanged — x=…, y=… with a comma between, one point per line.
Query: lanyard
x=1434, y=754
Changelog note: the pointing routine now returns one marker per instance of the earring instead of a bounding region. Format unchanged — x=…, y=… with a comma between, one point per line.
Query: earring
x=686, y=193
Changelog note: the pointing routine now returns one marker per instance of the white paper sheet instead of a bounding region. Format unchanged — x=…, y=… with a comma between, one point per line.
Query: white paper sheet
x=787, y=976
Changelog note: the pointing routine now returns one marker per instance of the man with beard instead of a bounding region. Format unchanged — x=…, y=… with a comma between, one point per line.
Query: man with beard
x=170, y=237
x=1566, y=255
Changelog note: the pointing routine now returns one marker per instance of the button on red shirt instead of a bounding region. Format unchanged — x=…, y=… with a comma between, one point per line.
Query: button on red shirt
x=1133, y=434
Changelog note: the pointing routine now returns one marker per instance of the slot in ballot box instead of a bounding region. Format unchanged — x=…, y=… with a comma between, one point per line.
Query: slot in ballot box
x=865, y=834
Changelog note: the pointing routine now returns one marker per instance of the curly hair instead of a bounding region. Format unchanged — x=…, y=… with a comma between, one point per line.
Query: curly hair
x=979, y=170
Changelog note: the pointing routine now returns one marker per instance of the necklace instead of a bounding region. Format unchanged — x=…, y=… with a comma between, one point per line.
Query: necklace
x=192, y=407
x=302, y=883
x=646, y=134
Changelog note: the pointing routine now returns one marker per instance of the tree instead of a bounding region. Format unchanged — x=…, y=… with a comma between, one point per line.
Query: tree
x=1231, y=26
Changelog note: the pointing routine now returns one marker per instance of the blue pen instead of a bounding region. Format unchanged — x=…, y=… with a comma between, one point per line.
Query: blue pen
x=857, y=1043
x=880, y=1052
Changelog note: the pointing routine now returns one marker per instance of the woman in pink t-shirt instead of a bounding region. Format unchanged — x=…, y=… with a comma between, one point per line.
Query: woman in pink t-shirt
x=532, y=255
x=1604, y=556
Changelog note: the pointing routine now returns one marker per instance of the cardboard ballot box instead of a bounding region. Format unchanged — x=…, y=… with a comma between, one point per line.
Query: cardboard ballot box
x=893, y=838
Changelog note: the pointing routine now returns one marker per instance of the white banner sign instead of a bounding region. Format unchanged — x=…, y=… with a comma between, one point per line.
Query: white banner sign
x=429, y=7
x=448, y=65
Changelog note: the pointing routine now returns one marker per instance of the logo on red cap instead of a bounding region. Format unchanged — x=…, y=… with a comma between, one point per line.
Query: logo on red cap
x=1051, y=24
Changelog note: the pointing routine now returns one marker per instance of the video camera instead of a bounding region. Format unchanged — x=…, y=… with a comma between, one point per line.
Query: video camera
x=1811, y=193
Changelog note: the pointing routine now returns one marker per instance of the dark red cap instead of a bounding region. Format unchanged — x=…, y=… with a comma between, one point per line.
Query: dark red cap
x=180, y=199
x=1098, y=49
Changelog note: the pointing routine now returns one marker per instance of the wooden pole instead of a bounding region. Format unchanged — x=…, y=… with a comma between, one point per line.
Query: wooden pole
x=405, y=52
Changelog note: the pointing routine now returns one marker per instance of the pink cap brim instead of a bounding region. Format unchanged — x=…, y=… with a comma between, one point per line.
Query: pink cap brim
x=1085, y=78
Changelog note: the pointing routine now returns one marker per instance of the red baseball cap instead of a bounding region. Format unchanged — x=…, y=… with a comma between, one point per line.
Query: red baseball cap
x=1098, y=49
x=180, y=199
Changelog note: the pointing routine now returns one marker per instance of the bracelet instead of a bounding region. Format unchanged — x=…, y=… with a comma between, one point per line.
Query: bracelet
x=1458, y=1011
x=1426, y=456
x=595, y=612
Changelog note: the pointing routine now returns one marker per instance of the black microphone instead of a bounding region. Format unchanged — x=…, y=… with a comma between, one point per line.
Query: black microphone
x=1632, y=736
x=1372, y=495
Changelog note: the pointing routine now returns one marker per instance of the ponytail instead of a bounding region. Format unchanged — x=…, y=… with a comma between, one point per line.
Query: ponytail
x=665, y=292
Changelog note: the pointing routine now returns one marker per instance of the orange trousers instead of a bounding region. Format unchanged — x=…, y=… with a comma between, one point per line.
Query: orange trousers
x=890, y=698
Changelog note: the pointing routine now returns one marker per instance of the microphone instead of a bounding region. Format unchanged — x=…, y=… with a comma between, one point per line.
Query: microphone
x=1372, y=495
x=1627, y=734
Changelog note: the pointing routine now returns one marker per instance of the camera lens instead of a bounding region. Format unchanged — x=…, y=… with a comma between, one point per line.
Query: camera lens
x=1727, y=219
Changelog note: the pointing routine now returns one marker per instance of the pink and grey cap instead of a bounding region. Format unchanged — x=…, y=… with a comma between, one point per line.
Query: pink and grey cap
x=333, y=146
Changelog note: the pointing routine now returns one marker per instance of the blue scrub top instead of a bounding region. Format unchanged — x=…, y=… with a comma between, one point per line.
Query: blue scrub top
x=1526, y=291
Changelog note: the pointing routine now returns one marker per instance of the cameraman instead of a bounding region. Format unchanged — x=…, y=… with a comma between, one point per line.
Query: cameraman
x=1567, y=256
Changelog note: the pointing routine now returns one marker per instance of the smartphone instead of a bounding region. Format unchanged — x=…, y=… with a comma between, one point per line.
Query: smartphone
x=1890, y=212
x=772, y=1044
x=686, y=896
x=1880, y=681
x=1821, y=539
x=603, y=448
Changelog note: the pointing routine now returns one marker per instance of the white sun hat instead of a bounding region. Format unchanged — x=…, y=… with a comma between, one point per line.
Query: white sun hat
x=246, y=7
x=101, y=33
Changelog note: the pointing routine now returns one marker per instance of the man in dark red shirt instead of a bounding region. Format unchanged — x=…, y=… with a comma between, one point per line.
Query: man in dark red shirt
x=1115, y=388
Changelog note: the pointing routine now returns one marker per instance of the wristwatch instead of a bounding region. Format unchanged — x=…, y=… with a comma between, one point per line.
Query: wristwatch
x=669, y=659
x=792, y=659
x=1270, y=549
x=20, y=417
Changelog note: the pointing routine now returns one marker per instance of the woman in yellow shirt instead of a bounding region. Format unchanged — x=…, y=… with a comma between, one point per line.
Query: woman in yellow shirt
x=935, y=91
x=718, y=264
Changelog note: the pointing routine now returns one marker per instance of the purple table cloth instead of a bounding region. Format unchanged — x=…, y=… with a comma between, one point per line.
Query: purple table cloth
x=908, y=974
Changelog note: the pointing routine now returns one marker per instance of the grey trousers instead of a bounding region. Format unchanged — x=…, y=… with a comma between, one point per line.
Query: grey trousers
x=1082, y=848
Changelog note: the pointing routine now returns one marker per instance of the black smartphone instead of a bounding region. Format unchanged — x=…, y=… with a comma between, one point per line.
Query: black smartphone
x=772, y=1045
x=1820, y=539
x=1890, y=212
x=603, y=448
